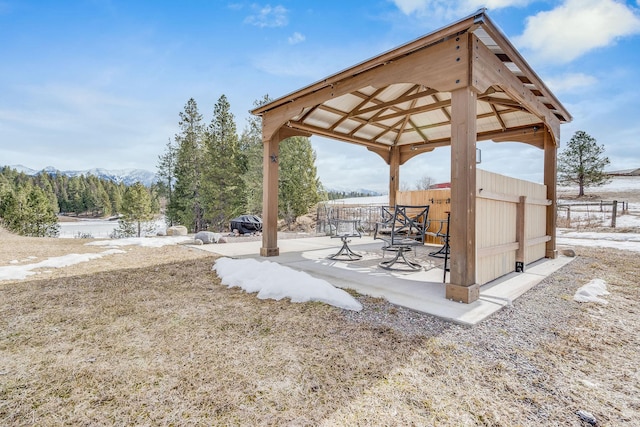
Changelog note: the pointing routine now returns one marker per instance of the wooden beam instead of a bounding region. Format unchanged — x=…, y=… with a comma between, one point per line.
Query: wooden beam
x=400, y=100
x=531, y=77
x=498, y=117
x=416, y=110
x=270, y=161
x=550, y=172
x=408, y=152
x=339, y=136
x=488, y=70
x=270, y=153
x=394, y=174
x=364, y=102
x=383, y=152
x=441, y=66
x=462, y=229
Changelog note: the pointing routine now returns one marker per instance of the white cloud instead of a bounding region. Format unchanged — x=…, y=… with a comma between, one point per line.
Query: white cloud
x=447, y=10
x=268, y=16
x=296, y=38
x=576, y=27
x=410, y=6
x=570, y=82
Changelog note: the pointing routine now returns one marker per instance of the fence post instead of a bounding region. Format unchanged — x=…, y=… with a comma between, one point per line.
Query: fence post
x=520, y=234
x=614, y=211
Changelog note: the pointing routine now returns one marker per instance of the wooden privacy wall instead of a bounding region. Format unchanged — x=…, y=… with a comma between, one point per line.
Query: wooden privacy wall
x=439, y=202
x=510, y=224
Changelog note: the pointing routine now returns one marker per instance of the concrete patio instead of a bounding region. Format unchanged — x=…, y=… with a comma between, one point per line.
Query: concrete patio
x=423, y=290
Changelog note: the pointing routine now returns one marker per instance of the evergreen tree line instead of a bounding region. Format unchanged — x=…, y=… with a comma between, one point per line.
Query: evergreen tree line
x=211, y=174
x=29, y=204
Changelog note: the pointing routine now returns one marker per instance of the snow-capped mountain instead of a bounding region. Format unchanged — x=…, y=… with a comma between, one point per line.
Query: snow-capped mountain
x=125, y=176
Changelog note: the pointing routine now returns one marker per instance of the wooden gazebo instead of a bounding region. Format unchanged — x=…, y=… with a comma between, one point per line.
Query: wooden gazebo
x=453, y=87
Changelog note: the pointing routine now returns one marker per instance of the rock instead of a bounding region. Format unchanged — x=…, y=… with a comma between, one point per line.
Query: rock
x=208, y=237
x=587, y=417
x=568, y=252
x=177, y=230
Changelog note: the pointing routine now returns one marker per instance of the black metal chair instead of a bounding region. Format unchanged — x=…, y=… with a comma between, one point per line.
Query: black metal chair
x=403, y=233
x=443, y=234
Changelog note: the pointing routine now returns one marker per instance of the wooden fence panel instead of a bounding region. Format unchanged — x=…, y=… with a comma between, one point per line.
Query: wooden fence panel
x=497, y=233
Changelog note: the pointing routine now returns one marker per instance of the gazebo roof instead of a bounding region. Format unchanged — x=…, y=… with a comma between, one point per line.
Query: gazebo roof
x=403, y=97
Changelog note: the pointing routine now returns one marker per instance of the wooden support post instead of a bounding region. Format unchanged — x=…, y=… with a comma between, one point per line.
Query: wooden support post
x=394, y=174
x=521, y=237
x=270, y=154
x=550, y=171
x=614, y=213
x=462, y=228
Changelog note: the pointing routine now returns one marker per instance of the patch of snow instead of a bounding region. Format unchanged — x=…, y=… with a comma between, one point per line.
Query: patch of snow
x=274, y=281
x=623, y=241
x=148, y=242
x=19, y=272
x=591, y=291
x=617, y=184
x=627, y=220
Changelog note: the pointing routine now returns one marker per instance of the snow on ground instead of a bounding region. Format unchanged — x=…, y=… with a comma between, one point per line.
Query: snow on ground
x=617, y=184
x=99, y=228
x=623, y=241
x=148, y=242
x=17, y=271
x=628, y=221
x=274, y=281
x=592, y=291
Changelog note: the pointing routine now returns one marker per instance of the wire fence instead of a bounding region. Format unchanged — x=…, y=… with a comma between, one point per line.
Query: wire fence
x=590, y=214
x=368, y=215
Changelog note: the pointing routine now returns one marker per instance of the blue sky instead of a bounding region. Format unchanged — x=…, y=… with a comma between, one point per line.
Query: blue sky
x=100, y=83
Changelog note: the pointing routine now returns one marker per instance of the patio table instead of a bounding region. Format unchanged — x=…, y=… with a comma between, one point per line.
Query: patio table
x=345, y=229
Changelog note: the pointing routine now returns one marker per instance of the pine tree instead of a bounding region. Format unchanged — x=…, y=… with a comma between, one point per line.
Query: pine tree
x=299, y=186
x=582, y=163
x=167, y=174
x=103, y=201
x=222, y=182
x=186, y=207
x=76, y=191
x=27, y=211
x=136, y=209
x=62, y=194
x=45, y=182
x=251, y=147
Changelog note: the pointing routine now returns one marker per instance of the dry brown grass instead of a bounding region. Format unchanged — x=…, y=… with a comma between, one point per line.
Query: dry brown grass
x=152, y=338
